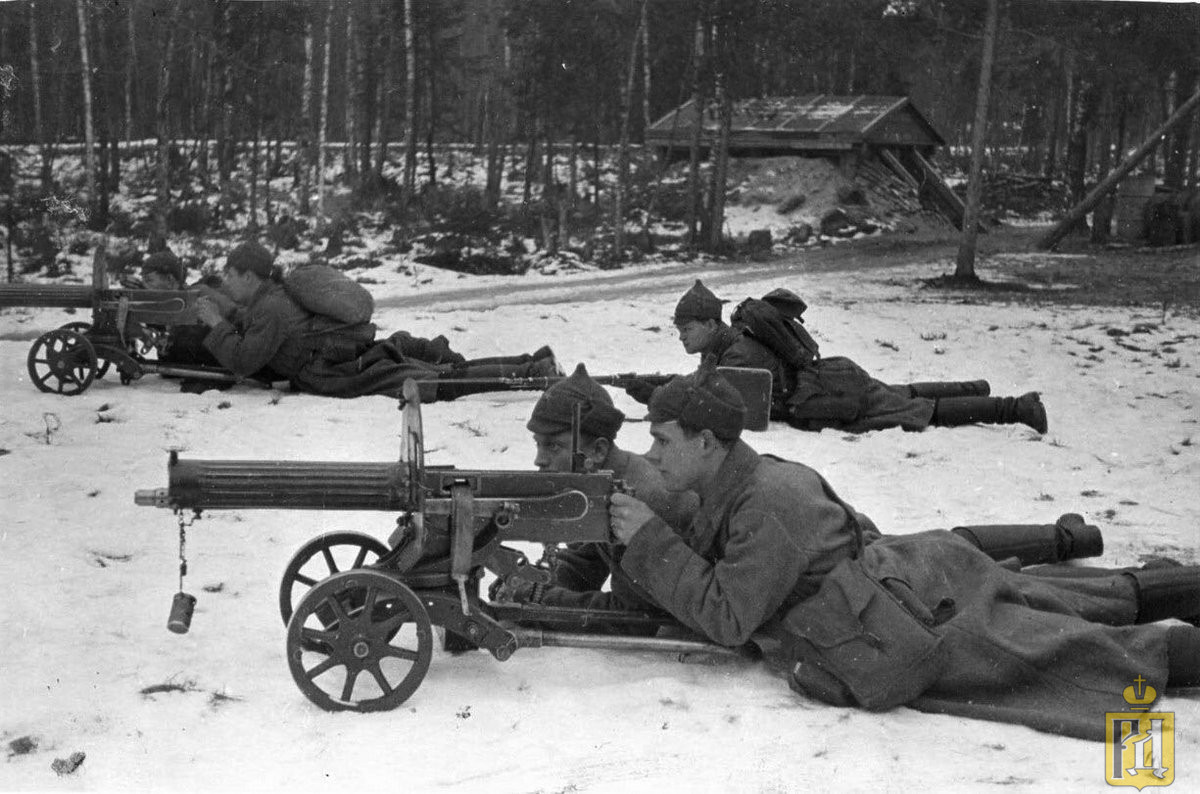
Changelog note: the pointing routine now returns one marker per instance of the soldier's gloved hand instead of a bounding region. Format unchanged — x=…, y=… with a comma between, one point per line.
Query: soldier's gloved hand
x=640, y=390
x=519, y=592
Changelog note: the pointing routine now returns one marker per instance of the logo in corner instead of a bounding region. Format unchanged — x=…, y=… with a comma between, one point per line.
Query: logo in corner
x=1139, y=744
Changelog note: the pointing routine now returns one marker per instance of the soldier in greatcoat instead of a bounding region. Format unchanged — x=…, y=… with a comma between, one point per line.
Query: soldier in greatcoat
x=834, y=391
x=269, y=335
x=854, y=617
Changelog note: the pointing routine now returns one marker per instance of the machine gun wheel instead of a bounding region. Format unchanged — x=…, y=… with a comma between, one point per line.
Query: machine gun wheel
x=357, y=622
x=328, y=554
x=81, y=327
x=62, y=362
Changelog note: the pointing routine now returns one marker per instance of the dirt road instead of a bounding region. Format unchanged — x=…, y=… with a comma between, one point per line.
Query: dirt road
x=1076, y=274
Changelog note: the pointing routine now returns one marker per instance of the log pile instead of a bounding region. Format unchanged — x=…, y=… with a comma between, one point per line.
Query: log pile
x=1006, y=193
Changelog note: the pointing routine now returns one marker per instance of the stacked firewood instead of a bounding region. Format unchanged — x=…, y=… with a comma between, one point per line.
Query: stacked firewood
x=1022, y=194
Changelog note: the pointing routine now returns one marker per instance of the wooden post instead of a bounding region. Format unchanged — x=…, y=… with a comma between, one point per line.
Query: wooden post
x=1076, y=213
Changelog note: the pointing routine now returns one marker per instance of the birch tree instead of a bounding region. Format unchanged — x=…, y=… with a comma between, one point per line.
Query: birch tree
x=89, y=130
x=623, y=148
x=410, y=102
x=305, y=137
x=163, y=134
x=323, y=126
x=39, y=133
x=130, y=66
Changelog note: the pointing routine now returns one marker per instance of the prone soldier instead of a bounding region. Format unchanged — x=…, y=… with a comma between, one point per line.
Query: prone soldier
x=859, y=618
x=322, y=355
x=835, y=392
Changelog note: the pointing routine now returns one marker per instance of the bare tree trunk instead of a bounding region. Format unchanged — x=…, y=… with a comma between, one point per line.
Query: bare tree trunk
x=162, y=126
x=89, y=130
x=698, y=53
x=530, y=160
x=495, y=154
x=1054, y=128
x=252, y=220
x=623, y=150
x=720, y=155
x=305, y=142
x=432, y=104
x=383, y=102
x=965, y=267
x=226, y=147
x=1194, y=157
x=645, y=70
x=348, y=152
x=1102, y=218
x=1175, y=156
x=206, y=122
x=323, y=125
x=410, y=103
x=573, y=178
x=39, y=132
x=1083, y=99
x=366, y=91
x=130, y=66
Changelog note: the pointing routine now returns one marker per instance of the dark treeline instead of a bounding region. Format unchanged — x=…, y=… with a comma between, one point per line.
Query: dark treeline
x=1075, y=83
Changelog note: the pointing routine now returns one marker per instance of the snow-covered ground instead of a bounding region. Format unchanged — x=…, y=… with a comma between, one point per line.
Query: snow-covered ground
x=88, y=577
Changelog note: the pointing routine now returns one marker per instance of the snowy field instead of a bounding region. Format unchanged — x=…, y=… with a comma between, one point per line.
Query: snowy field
x=88, y=665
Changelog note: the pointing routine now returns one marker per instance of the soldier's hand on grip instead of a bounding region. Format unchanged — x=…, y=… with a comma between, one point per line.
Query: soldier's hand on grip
x=640, y=390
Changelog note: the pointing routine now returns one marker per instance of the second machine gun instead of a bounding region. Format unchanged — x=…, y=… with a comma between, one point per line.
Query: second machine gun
x=126, y=325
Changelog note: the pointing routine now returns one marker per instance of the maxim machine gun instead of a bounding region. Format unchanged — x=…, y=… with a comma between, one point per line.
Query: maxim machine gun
x=127, y=324
x=353, y=604
x=376, y=615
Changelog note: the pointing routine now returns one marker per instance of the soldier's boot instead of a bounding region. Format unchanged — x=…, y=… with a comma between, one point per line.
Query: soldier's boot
x=458, y=382
x=525, y=358
x=1069, y=538
x=936, y=390
x=1183, y=656
x=1026, y=409
x=1168, y=592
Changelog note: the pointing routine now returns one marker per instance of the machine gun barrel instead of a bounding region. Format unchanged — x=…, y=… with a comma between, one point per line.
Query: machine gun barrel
x=277, y=485
x=64, y=296
x=525, y=505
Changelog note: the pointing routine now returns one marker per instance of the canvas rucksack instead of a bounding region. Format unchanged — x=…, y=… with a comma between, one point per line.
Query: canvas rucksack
x=327, y=291
x=775, y=321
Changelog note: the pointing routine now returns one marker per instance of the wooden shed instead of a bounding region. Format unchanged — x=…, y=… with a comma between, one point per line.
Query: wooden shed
x=855, y=131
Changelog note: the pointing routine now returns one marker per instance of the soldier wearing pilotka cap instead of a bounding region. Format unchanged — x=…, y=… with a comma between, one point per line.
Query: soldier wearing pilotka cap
x=858, y=618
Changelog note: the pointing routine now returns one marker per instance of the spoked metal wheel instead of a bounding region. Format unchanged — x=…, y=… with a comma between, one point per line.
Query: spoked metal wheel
x=81, y=327
x=62, y=362
x=322, y=557
x=353, y=623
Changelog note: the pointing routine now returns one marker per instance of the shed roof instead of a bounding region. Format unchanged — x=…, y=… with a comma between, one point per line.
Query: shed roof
x=813, y=121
